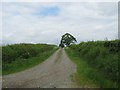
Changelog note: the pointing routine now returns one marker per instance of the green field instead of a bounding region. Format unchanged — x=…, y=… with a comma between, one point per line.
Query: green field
x=19, y=57
x=97, y=62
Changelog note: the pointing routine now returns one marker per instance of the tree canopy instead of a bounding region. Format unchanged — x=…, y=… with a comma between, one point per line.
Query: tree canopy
x=67, y=39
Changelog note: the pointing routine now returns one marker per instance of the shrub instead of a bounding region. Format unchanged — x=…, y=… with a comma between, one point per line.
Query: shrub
x=23, y=51
x=102, y=55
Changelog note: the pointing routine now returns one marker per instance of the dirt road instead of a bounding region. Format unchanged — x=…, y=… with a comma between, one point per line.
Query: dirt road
x=55, y=72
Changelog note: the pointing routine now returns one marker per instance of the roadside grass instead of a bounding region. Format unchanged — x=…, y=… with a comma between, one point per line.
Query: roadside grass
x=0, y=60
x=88, y=76
x=23, y=64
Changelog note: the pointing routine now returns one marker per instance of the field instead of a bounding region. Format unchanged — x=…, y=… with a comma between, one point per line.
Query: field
x=19, y=57
x=97, y=61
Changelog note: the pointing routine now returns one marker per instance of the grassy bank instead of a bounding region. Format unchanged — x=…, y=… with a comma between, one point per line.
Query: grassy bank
x=97, y=62
x=19, y=57
x=0, y=60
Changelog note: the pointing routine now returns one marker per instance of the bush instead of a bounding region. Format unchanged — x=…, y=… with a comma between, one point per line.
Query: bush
x=23, y=51
x=102, y=55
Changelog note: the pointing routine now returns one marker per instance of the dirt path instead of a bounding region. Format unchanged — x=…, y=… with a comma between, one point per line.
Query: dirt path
x=56, y=71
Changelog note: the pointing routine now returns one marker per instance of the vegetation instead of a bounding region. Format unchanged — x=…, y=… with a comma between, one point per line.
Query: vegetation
x=0, y=60
x=97, y=61
x=67, y=39
x=18, y=57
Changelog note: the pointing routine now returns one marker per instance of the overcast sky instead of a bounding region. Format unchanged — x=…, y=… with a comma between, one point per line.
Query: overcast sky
x=33, y=22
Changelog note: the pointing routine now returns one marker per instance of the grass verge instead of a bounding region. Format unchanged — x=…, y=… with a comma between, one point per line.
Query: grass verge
x=22, y=64
x=87, y=76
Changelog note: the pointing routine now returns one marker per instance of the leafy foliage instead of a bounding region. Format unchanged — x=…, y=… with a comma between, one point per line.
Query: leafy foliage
x=67, y=39
x=19, y=57
x=23, y=51
x=101, y=55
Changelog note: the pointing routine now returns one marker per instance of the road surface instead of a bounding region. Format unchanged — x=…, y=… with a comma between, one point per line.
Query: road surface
x=55, y=72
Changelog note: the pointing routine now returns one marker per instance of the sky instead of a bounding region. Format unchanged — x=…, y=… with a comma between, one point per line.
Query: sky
x=46, y=22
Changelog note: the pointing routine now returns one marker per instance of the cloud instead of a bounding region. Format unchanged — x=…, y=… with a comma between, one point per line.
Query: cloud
x=60, y=0
x=46, y=22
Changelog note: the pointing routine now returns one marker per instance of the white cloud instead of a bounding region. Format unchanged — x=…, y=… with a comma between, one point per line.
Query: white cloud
x=86, y=21
x=60, y=0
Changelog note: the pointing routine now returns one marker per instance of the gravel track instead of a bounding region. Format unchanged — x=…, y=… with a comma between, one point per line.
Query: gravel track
x=55, y=72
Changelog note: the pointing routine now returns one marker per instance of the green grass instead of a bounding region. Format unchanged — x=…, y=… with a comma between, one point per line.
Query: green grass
x=97, y=65
x=13, y=52
x=20, y=64
x=102, y=55
x=0, y=60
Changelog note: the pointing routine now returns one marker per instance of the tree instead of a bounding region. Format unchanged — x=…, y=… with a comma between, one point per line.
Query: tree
x=61, y=44
x=67, y=39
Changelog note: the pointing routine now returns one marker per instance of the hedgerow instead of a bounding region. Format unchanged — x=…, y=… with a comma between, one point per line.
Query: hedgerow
x=102, y=55
x=11, y=53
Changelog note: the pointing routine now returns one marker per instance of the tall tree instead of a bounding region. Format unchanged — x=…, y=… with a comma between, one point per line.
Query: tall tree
x=67, y=39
